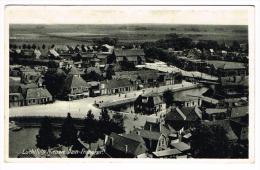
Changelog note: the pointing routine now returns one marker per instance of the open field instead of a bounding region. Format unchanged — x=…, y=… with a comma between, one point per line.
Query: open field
x=72, y=34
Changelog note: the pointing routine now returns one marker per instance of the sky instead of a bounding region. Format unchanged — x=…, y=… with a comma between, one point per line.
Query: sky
x=209, y=15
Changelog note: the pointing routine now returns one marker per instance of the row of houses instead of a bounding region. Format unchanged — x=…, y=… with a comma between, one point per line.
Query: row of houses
x=170, y=137
x=75, y=85
x=149, y=78
x=211, y=54
x=28, y=94
x=84, y=58
x=155, y=139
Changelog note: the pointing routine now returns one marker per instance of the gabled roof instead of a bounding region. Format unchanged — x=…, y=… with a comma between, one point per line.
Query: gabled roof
x=192, y=113
x=116, y=83
x=184, y=113
x=134, y=137
x=120, y=143
x=129, y=52
x=165, y=130
x=175, y=114
x=153, y=126
x=149, y=134
x=73, y=81
x=23, y=87
x=73, y=71
x=37, y=93
x=146, y=76
x=152, y=97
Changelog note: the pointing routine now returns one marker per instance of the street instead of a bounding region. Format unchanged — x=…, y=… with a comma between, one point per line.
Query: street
x=79, y=108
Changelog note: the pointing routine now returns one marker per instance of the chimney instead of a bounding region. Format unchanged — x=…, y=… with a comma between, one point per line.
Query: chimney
x=126, y=148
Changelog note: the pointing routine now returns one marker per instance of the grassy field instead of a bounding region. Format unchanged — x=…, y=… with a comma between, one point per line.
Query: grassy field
x=73, y=34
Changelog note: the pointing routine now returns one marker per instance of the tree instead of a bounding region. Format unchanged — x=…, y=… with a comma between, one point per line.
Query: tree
x=235, y=46
x=29, y=46
x=24, y=46
x=83, y=49
x=54, y=81
x=111, y=58
x=209, y=141
x=126, y=65
x=90, y=130
x=156, y=53
x=68, y=134
x=92, y=76
x=117, y=124
x=104, y=123
x=110, y=72
x=45, y=138
x=104, y=116
x=168, y=97
x=33, y=46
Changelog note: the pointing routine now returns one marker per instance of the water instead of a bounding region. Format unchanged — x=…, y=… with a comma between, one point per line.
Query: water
x=21, y=140
x=26, y=138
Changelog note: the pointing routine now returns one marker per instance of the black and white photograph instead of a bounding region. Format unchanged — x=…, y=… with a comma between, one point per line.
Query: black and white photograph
x=91, y=82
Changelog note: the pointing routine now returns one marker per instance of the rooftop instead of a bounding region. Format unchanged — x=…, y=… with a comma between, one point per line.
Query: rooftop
x=167, y=152
x=125, y=144
x=184, y=113
x=239, y=111
x=37, y=93
x=215, y=110
x=116, y=83
x=226, y=64
x=129, y=52
x=181, y=146
x=73, y=81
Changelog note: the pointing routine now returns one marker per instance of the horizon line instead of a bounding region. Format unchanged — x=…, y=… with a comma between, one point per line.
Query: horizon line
x=127, y=24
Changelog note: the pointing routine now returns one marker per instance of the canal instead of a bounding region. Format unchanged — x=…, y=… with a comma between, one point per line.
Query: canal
x=26, y=138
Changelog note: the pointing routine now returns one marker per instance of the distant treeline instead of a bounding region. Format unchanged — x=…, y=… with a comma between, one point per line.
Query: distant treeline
x=158, y=49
